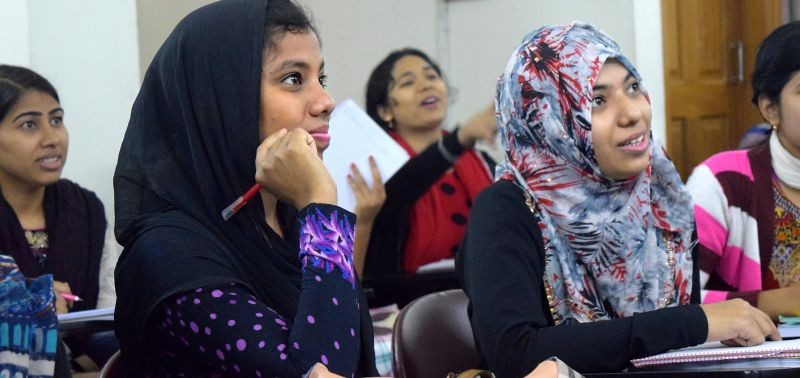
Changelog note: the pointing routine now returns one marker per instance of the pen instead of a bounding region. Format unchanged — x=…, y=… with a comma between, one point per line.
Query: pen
x=240, y=202
x=71, y=297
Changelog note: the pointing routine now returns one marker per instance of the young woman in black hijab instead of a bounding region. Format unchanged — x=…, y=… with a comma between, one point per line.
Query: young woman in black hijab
x=272, y=290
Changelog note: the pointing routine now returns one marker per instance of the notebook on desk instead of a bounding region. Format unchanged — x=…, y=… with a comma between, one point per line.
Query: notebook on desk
x=789, y=331
x=716, y=351
x=789, y=326
x=106, y=314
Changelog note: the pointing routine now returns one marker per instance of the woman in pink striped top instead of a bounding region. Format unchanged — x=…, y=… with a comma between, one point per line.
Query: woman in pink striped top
x=747, y=202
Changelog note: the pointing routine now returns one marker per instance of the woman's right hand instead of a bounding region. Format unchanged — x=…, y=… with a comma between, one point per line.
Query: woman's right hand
x=289, y=167
x=482, y=126
x=737, y=323
x=62, y=306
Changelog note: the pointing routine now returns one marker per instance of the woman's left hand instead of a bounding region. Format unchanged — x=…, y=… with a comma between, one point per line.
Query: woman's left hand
x=546, y=369
x=368, y=200
x=482, y=126
x=320, y=371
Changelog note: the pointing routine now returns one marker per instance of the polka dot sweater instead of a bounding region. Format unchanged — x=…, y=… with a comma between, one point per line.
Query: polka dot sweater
x=223, y=330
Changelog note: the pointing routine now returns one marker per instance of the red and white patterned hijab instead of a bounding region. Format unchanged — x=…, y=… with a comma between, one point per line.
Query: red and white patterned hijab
x=612, y=247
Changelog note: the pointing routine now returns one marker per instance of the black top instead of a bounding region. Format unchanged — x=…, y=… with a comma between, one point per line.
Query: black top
x=389, y=231
x=511, y=319
x=234, y=333
x=76, y=226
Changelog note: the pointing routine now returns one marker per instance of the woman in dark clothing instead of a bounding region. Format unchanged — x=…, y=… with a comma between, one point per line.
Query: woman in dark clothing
x=429, y=198
x=49, y=225
x=583, y=249
x=270, y=292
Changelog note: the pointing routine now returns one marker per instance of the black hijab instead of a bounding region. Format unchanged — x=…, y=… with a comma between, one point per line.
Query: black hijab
x=189, y=151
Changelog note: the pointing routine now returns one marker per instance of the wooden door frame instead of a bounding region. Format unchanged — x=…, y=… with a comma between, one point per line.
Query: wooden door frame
x=758, y=19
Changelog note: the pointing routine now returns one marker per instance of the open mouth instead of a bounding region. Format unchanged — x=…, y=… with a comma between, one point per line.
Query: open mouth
x=430, y=101
x=636, y=145
x=50, y=163
x=633, y=142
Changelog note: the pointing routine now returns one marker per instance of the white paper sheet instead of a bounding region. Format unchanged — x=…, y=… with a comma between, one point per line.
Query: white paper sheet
x=354, y=137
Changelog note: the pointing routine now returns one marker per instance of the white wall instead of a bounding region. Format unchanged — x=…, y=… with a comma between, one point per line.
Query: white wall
x=480, y=44
x=473, y=39
x=155, y=21
x=96, y=51
x=87, y=49
x=484, y=33
x=14, y=47
x=649, y=60
x=357, y=34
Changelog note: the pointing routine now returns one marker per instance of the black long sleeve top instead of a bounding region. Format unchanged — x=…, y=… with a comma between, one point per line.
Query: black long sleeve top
x=387, y=240
x=501, y=267
x=224, y=329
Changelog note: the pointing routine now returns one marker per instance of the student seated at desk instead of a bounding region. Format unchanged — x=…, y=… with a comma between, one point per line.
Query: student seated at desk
x=583, y=249
x=747, y=202
x=271, y=291
x=51, y=225
x=427, y=202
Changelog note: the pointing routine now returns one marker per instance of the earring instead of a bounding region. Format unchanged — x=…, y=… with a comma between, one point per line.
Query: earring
x=774, y=127
x=390, y=123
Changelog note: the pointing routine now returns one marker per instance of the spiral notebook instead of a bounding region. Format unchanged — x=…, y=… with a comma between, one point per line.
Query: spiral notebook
x=716, y=351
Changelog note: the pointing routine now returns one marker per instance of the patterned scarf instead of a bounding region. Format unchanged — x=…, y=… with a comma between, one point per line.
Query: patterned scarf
x=612, y=247
x=28, y=323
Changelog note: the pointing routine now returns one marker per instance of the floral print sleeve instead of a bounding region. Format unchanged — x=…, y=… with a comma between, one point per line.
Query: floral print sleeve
x=225, y=328
x=326, y=239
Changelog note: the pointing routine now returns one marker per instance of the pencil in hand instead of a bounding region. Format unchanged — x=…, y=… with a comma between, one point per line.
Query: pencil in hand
x=240, y=202
x=70, y=297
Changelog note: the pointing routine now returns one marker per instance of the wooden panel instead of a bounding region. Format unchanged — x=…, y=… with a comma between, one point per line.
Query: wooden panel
x=702, y=83
x=763, y=17
x=709, y=52
x=671, y=38
x=676, y=142
x=712, y=133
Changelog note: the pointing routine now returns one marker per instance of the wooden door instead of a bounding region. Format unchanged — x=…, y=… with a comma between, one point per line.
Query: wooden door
x=709, y=49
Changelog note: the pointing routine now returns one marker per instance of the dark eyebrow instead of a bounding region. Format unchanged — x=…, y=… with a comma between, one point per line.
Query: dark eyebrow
x=35, y=114
x=603, y=86
x=405, y=74
x=425, y=69
x=293, y=63
x=299, y=64
x=630, y=75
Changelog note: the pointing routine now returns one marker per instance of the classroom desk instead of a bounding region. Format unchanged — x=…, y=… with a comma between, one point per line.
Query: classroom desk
x=404, y=288
x=790, y=368
x=86, y=322
x=87, y=327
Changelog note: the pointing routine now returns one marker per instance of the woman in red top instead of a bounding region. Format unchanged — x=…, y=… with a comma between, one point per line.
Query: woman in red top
x=428, y=199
